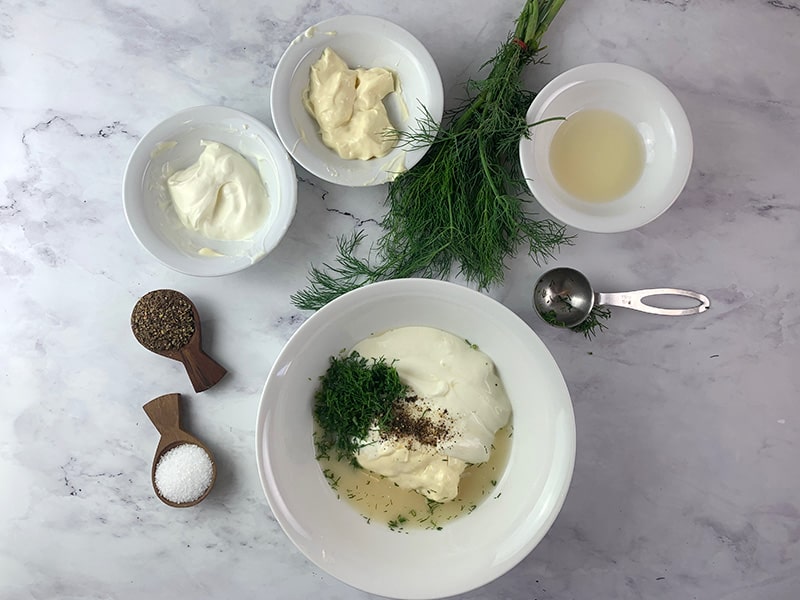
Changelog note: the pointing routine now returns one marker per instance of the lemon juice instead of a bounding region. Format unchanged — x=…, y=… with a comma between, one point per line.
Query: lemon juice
x=597, y=155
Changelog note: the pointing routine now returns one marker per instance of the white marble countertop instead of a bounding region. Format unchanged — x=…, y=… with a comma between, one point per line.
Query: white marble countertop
x=686, y=482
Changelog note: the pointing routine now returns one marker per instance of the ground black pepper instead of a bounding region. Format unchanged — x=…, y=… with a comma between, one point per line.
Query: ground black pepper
x=163, y=320
x=407, y=422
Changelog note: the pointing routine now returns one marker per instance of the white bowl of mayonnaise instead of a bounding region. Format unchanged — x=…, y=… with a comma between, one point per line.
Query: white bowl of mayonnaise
x=460, y=349
x=209, y=191
x=339, y=89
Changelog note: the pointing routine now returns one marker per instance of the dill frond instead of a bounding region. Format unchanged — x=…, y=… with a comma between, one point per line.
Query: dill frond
x=590, y=327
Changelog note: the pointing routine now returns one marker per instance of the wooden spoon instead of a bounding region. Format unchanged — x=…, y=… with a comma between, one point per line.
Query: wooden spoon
x=165, y=414
x=203, y=370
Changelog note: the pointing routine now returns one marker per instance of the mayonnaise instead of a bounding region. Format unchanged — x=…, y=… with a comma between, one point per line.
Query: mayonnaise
x=221, y=196
x=456, y=385
x=419, y=468
x=348, y=106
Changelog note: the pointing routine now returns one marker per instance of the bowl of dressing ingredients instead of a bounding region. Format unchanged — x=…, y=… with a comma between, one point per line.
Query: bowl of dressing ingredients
x=415, y=439
x=344, y=93
x=612, y=149
x=209, y=191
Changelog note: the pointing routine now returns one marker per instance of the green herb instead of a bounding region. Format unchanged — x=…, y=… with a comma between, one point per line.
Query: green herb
x=397, y=524
x=590, y=327
x=459, y=207
x=333, y=481
x=594, y=322
x=355, y=394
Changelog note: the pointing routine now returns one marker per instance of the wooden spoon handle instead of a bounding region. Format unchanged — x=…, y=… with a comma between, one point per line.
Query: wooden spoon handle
x=165, y=413
x=203, y=370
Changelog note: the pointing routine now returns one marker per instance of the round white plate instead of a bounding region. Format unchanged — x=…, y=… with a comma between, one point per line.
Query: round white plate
x=361, y=41
x=653, y=110
x=469, y=551
x=174, y=144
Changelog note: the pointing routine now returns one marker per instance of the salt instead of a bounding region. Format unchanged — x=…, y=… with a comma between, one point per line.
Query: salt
x=184, y=473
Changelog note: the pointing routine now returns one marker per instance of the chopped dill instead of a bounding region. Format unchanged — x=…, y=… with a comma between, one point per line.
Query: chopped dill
x=354, y=394
x=397, y=524
x=333, y=481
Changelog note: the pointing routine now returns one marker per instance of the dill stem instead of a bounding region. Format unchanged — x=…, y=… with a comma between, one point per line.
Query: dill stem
x=487, y=170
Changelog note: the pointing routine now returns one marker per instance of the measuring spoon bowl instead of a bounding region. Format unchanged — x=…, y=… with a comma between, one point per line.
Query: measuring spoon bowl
x=165, y=413
x=564, y=297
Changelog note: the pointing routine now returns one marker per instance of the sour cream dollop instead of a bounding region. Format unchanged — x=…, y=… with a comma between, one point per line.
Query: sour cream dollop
x=457, y=385
x=221, y=196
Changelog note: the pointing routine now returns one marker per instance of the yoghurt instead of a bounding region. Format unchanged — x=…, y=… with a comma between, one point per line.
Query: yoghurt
x=457, y=390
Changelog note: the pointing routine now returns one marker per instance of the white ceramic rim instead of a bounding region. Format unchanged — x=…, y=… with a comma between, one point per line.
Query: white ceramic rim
x=166, y=253
x=332, y=168
x=656, y=92
x=529, y=525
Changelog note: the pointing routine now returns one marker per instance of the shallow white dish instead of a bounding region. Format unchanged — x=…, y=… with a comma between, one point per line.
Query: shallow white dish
x=174, y=144
x=471, y=550
x=657, y=116
x=361, y=41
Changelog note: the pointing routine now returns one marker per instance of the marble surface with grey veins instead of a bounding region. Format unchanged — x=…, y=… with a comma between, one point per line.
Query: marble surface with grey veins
x=686, y=482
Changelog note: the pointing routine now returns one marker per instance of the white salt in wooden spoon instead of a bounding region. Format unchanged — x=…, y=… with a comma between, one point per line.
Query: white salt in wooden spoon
x=165, y=414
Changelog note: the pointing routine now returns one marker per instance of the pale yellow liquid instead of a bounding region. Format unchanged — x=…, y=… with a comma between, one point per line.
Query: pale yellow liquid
x=597, y=155
x=381, y=501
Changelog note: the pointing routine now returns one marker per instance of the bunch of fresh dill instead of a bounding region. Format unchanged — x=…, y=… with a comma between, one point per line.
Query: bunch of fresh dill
x=460, y=206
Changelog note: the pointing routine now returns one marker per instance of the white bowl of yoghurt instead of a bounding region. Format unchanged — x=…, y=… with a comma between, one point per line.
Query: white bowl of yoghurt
x=209, y=191
x=334, y=88
x=452, y=343
x=620, y=158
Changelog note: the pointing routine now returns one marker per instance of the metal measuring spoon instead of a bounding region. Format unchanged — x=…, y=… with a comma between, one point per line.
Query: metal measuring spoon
x=567, y=298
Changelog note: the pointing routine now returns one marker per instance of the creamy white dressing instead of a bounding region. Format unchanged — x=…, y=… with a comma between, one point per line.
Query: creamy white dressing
x=348, y=107
x=221, y=196
x=457, y=384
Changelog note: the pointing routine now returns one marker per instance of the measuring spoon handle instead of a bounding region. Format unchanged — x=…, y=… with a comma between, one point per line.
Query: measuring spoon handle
x=635, y=299
x=165, y=413
x=203, y=370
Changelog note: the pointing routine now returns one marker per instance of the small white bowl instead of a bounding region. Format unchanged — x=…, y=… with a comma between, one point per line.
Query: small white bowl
x=469, y=551
x=173, y=145
x=657, y=116
x=360, y=41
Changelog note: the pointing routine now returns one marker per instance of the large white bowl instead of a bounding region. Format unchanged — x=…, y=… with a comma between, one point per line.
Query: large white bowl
x=471, y=550
x=361, y=41
x=174, y=144
x=658, y=117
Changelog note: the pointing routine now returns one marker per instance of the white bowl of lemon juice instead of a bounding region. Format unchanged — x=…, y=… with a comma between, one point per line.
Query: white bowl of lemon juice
x=611, y=150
